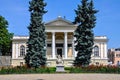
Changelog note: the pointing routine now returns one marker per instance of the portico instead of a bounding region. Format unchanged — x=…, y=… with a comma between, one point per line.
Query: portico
x=61, y=44
x=60, y=35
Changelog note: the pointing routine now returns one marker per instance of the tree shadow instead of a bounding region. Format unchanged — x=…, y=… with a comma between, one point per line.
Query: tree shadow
x=40, y=79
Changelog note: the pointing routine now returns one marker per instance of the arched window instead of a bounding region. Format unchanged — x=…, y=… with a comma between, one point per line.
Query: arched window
x=96, y=51
x=22, y=50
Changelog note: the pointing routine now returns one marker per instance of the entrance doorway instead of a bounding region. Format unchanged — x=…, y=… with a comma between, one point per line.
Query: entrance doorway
x=59, y=52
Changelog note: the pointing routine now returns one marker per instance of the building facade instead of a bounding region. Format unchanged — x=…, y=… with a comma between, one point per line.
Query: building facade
x=114, y=56
x=60, y=41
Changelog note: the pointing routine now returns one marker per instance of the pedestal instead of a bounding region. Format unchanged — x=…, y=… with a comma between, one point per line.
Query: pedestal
x=60, y=68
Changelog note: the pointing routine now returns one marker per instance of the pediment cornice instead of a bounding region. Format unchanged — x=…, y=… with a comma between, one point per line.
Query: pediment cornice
x=59, y=22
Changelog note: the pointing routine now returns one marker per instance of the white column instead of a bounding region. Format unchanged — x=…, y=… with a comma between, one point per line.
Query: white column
x=102, y=48
x=65, y=44
x=73, y=48
x=13, y=50
x=75, y=52
x=17, y=51
x=53, y=45
x=105, y=50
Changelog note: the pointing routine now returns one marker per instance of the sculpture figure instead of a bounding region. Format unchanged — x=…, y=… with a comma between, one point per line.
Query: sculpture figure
x=59, y=60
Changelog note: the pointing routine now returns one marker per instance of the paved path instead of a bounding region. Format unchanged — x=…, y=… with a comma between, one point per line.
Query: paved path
x=61, y=77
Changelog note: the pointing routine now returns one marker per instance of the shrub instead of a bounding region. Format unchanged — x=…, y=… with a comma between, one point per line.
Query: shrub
x=88, y=69
x=95, y=69
x=25, y=70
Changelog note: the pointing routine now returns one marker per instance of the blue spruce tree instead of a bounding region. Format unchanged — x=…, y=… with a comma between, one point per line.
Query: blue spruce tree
x=85, y=18
x=36, y=53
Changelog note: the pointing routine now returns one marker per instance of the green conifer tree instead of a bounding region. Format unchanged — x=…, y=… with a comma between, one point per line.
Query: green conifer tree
x=36, y=53
x=85, y=18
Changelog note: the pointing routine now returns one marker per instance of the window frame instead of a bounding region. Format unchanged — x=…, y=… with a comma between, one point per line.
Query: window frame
x=22, y=51
x=96, y=51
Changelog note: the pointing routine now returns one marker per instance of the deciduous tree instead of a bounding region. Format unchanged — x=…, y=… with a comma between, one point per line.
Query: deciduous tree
x=5, y=37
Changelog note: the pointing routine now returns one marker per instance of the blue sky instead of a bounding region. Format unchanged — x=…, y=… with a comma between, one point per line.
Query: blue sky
x=108, y=18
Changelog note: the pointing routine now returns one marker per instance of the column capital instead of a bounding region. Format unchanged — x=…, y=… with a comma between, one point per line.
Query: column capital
x=53, y=32
x=65, y=32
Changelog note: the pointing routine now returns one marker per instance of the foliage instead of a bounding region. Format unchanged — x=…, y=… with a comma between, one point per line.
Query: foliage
x=5, y=37
x=36, y=53
x=85, y=18
x=88, y=69
x=25, y=70
x=95, y=69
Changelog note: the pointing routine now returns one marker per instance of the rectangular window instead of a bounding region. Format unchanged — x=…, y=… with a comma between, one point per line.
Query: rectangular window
x=97, y=63
x=49, y=45
x=117, y=55
x=96, y=53
x=59, y=45
x=69, y=45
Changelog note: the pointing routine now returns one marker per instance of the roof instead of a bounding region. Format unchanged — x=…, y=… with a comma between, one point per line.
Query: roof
x=59, y=22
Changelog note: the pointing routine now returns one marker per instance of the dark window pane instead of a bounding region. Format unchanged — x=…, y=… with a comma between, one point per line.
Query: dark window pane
x=69, y=45
x=22, y=50
x=96, y=51
x=59, y=45
x=49, y=45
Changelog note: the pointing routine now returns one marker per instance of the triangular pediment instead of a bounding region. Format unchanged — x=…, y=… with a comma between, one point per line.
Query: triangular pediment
x=59, y=22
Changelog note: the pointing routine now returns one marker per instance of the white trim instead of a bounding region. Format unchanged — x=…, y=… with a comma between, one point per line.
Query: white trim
x=59, y=30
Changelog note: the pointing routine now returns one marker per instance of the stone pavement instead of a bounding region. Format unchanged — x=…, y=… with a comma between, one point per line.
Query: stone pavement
x=60, y=77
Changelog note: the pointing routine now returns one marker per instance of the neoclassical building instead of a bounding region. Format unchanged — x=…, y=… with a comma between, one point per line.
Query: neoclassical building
x=60, y=41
